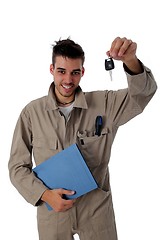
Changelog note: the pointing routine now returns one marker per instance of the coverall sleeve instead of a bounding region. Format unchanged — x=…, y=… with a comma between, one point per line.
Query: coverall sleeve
x=20, y=162
x=128, y=103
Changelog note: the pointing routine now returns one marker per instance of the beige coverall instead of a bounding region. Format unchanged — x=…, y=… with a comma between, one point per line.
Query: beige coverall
x=42, y=128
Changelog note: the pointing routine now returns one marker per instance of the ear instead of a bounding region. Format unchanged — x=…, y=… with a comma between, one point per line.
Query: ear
x=52, y=69
x=83, y=70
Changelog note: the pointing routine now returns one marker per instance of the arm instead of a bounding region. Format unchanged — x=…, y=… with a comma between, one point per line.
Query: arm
x=128, y=103
x=20, y=162
x=21, y=174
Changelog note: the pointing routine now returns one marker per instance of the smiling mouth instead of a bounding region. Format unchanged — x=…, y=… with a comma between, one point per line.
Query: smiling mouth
x=67, y=86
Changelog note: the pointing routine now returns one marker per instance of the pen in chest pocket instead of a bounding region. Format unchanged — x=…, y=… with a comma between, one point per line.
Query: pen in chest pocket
x=98, y=125
x=98, y=128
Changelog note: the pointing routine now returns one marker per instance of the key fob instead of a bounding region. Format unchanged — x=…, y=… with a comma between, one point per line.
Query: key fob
x=109, y=64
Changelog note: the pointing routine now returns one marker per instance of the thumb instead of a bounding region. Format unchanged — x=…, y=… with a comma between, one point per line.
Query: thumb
x=68, y=192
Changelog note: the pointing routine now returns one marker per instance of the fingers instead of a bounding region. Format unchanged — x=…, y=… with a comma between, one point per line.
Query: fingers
x=65, y=192
x=59, y=203
x=64, y=205
x=122, y=47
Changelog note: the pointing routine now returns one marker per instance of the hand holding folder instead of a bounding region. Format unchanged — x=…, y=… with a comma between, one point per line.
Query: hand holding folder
x=55, y=199
x=68, y=170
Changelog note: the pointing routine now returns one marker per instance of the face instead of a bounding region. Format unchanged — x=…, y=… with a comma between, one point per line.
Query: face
x=67, y=73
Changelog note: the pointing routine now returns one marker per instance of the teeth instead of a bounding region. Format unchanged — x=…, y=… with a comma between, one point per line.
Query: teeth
x=66, y=86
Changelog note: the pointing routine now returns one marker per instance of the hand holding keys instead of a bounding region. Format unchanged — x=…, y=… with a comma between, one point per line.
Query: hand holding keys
x=109, y=65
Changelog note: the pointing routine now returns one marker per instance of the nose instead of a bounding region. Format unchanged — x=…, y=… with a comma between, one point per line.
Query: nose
x=68, y=78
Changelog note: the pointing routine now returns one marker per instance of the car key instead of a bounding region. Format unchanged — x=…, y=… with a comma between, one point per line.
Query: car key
x=109, y=66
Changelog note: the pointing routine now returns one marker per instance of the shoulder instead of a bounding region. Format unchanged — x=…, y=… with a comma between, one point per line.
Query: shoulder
x=34, y=105
x=36, y=102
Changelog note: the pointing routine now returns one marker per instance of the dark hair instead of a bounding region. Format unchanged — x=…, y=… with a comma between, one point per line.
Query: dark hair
x=67, y=48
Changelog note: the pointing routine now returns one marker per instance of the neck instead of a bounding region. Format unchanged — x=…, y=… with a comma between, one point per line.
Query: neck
x=64, y=103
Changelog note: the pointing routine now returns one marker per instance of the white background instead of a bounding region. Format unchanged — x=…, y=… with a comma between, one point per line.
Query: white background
x=27, y=29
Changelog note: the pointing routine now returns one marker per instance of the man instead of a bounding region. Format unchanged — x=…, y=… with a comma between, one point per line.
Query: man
x=66, y=116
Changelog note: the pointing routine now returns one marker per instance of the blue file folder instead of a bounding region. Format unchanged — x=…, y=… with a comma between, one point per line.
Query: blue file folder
x=68, y=170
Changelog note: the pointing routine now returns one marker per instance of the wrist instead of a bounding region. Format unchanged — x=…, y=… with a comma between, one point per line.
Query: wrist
x=45, y=195
x=133, y=66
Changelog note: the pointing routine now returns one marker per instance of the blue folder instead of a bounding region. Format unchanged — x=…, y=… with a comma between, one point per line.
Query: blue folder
x=68, y=170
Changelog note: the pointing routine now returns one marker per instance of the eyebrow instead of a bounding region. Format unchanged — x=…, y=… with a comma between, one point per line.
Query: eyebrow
x=74, y=70
x=59, y=68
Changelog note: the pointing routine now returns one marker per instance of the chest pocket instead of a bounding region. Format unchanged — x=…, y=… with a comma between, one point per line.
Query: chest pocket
x=93, y=147
x=44, y=148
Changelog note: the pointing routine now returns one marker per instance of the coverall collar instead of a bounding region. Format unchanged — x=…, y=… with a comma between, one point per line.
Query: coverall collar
x=80, y=101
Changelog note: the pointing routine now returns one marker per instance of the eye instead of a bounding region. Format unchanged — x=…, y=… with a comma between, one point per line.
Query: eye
x=75, y=73
x=61, y=71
